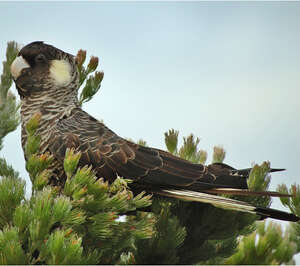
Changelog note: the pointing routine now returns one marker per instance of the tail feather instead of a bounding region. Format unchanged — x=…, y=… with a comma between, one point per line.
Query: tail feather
x=246, y=172
x=229, y=204
x=276, y=214
x=276, y=170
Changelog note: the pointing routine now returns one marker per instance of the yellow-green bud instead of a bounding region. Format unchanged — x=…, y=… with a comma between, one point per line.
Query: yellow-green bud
x=202, y=156
x=218, y=155
x=41, y=179
x=33, y=123
x=71, y=161
x=171, y=140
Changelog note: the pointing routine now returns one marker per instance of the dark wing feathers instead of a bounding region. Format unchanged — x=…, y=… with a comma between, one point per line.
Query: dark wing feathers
x=175, y=171
x=110, y=154
x=101, y=148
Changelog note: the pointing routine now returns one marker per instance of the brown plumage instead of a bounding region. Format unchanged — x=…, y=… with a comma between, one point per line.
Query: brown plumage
x=47, y=81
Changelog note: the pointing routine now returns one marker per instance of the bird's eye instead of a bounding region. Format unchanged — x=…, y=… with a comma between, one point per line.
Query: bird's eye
x=40, y=58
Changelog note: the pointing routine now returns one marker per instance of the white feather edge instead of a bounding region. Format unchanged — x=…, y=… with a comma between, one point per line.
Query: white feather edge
x=237, y=191
x=217, y=201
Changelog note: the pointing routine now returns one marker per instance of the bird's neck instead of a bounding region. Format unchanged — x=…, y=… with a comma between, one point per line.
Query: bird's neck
x=51, y=106
x=58, y=103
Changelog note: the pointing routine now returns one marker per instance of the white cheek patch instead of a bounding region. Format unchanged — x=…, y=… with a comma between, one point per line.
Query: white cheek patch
x=17, y=66
x=60, y=72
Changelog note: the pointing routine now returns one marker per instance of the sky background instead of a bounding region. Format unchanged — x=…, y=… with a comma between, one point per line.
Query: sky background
x=228, y=72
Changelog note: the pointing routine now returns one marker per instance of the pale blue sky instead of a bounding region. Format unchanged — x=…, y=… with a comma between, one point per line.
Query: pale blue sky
x=227, y=72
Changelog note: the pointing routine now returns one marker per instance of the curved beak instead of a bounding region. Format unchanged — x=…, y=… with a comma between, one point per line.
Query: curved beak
x=17, y=66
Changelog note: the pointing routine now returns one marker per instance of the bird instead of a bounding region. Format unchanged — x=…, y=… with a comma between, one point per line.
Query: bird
x=47, y=82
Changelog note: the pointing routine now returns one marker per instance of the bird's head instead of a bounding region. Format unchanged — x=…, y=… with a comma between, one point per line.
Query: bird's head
x=42, y=68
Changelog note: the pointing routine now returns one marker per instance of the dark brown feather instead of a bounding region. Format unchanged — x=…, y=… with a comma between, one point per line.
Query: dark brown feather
x=110, y=154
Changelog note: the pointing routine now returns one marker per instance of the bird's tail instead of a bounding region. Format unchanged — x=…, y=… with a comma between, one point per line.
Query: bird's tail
x=227, y=203
x=246, y=172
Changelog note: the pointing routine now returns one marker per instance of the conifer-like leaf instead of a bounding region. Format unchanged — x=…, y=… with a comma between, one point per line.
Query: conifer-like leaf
x=60, y=249
x=76, y=186
x=127, y=259
x=74, y=218
x=259, y=179
x=218, y=154
x=102, y=225
x=41, y=179
x=32, y=145
x=11, y=251
x=142, y=142
x=6, y=79
x=33, y=123
x=171, y=140
x=169, y=235
x=202, y=156
x=189, y=148
x=12, y=192
x=141, y=200
x=22, y=217
x=9, y=116
x=293, y=203
x=71, y=161
x=7, y=170
x=92, y=81
x=36, y=163
x=142, y=225
x=91, y=87
x=268, y=245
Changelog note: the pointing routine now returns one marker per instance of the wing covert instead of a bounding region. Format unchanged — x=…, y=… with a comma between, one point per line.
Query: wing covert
x=100, y=147
x=111, y=155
